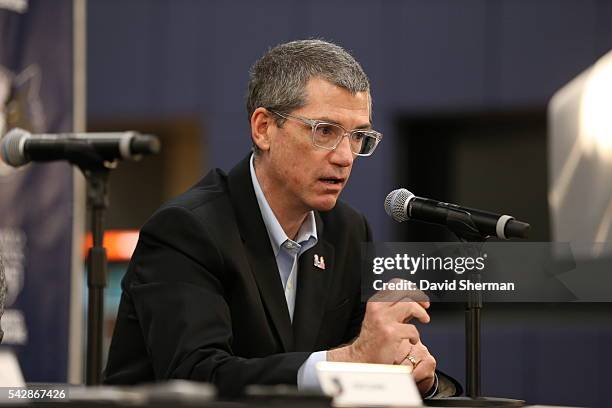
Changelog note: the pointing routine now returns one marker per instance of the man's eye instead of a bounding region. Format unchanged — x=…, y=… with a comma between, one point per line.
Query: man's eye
x=359, y=136
x=327, y=130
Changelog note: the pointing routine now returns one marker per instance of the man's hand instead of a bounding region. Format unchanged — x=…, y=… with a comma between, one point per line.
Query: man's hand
x=385, y=327
x=423, y=363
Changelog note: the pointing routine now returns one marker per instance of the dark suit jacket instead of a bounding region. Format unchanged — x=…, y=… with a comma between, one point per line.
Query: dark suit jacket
x=203, y=300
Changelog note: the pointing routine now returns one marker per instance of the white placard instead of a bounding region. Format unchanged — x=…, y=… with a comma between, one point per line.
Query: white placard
x=355, y=384
x=10, y=374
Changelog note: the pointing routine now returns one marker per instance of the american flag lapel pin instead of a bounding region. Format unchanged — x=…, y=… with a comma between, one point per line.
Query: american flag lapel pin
x=319, y=262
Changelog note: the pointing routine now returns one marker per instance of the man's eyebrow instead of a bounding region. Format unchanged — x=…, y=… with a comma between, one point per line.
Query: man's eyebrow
x=329, y=120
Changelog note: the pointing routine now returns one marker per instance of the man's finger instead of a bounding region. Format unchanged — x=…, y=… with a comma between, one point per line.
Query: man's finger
x=403, y=351
x=408, y=332
x=405, y=311
x=424, y=369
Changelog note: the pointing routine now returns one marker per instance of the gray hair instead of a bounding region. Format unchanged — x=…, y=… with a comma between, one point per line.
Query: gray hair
x=278, y=80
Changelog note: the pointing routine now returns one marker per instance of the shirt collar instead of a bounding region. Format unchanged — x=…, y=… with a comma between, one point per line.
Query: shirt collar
x=277, y=235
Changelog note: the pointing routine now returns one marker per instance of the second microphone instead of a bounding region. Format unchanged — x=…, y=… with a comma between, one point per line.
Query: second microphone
x=402, y=205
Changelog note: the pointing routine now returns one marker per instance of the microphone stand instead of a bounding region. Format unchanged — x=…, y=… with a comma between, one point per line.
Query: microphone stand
x=461, y=224
x=96, y=171
x=97, y=271
x=95, y=164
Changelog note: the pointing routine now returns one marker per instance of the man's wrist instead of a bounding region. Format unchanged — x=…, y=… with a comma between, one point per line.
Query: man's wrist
x=343, y=354
x=338, y=354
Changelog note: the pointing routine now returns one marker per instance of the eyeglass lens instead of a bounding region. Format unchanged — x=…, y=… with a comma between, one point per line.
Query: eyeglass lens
x=327, y=135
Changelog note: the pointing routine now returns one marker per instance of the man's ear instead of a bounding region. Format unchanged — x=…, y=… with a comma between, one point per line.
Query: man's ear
x=262, y=124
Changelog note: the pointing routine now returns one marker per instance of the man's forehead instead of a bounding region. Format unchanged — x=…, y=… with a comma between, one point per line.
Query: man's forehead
x=329, y=101
x=318, y=84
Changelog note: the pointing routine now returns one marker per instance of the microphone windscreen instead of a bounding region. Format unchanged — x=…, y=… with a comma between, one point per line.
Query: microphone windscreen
x=10, y=151
x=396, y=204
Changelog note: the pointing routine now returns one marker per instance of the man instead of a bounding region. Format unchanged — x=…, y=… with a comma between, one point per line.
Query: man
x=254, y=276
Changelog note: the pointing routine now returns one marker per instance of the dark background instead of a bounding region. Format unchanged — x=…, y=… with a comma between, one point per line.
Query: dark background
x=460, y=91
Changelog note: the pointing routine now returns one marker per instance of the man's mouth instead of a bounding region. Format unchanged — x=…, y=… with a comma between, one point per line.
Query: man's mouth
x=332, y=180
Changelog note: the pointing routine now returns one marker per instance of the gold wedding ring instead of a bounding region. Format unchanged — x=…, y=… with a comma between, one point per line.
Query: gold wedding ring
x=413, y=360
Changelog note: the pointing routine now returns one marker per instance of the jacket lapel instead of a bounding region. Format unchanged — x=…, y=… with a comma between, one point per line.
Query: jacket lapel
x=312, y=289
x=259, y=251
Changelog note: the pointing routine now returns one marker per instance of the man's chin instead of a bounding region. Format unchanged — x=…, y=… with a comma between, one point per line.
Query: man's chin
x=325, y=204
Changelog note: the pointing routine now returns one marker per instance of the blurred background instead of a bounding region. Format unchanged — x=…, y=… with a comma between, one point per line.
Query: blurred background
x=460, y=90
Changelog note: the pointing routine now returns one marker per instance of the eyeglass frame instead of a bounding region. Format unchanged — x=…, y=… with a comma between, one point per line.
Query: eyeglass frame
x=313, y=123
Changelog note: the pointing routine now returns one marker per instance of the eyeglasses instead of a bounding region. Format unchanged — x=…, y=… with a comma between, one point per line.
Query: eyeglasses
x=329, y=135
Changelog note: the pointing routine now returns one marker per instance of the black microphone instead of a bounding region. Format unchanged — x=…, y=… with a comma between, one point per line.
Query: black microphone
x=18, y=146
x=402, y=205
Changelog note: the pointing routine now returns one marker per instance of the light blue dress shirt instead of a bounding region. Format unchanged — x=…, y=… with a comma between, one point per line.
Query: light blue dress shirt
x=287, y=253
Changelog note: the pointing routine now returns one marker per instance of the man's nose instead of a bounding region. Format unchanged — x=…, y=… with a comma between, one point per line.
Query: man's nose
x=342, y=155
